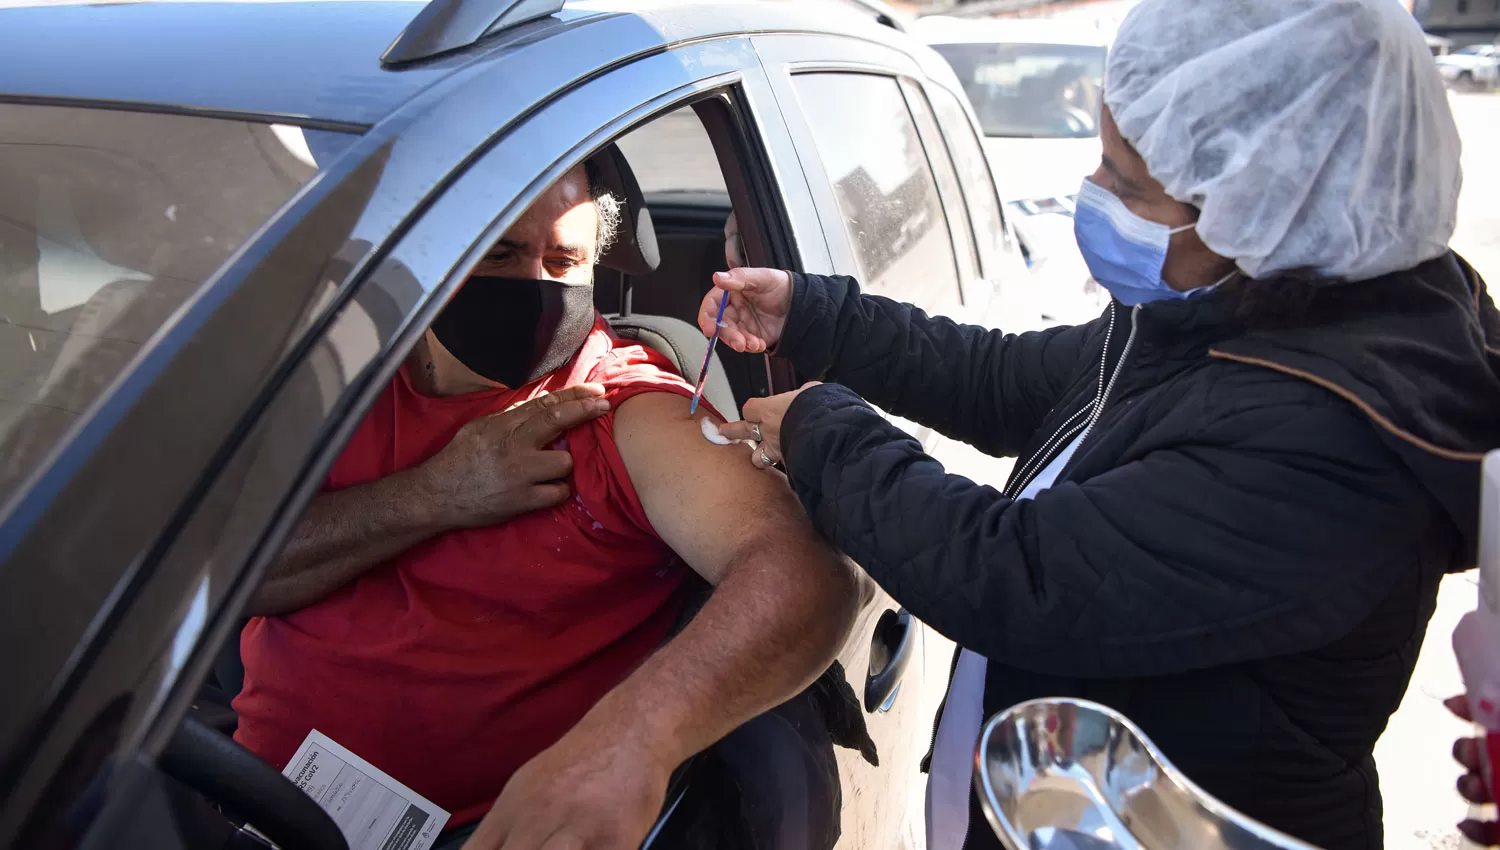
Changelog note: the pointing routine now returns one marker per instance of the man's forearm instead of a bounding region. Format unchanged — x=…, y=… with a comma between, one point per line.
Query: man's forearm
x=344, y=534
x=773, y=625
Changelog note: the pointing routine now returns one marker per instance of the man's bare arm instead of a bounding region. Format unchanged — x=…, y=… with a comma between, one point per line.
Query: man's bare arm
x=784, y=600
x=345, y=533
x=783, y=605
x=496, y=468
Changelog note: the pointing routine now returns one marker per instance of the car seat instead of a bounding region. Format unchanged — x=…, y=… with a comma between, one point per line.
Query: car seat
x=634, y=253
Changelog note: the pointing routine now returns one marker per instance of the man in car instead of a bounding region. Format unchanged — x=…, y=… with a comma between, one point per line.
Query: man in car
x=483, y=595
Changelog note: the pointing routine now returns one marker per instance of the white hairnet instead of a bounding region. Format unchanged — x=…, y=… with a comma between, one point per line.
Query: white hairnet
x=1312, y=134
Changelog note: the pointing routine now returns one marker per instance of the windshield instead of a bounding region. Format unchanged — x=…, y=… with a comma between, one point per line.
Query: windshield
x=1031, y=90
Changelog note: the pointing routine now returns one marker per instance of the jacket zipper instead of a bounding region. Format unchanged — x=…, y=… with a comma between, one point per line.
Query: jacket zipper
x=1072, y=422
x=1119, y=367
x=1105, y=390
x=1018, y=484
x=1058, y=441
x=937, y=719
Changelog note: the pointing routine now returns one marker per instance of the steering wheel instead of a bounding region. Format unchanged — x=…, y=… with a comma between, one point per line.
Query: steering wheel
x=226, y=773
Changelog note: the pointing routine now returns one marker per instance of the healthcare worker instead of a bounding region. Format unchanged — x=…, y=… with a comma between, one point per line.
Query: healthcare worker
x=1238, y=488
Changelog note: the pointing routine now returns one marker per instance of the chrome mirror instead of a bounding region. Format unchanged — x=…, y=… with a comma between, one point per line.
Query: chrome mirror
x=1063, y=774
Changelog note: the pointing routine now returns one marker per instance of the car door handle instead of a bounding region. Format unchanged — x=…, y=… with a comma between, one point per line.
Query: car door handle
x=891, y=651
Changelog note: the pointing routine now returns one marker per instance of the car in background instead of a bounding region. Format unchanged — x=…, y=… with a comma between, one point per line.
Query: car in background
x=1035, y=86
x=1476, y=66
x=215, y=253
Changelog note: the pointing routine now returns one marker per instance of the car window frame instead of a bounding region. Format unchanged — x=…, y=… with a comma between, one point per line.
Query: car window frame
x=390, y=172
x=833, y=218
x=945, y=173
x=992, y=258
x=443, y=244
x=788, y=56
x=787, y=59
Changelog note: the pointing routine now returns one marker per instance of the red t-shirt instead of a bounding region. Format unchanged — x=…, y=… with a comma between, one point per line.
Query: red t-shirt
x=461, y=659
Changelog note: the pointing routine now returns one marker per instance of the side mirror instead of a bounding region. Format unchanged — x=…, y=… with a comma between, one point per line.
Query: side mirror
x=1062, y=774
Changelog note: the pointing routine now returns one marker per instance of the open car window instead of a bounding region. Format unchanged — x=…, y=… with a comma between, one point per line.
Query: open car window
x=673, y=154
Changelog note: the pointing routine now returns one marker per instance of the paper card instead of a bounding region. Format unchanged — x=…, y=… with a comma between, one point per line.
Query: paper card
x=374, y=811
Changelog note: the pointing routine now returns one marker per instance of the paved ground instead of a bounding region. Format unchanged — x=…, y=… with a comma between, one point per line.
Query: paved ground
x=1416, y=775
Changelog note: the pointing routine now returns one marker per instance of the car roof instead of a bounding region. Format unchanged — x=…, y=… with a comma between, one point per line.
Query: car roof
x=316, y=61
x=939, y=29
x=312, y=62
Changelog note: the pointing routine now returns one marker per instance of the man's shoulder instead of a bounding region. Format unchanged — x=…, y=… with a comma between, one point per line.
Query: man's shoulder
x=651, y=405
x=633, y=368
x=650, y=427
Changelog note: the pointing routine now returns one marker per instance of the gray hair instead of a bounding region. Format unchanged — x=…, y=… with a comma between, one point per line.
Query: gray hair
x=611, y=211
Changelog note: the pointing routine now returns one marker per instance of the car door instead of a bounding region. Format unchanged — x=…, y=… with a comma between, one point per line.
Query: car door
x=889, y=205
x=142, y=495
x=1002, y=297
x=289, y=380
x=887, y=197
x=135, y=532
x=118, y=569
x=136, y=261
x=908, y=205
x=883, y=650
x=1002, y=264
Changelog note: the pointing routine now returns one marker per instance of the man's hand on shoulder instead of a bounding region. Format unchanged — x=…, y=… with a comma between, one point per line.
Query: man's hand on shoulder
x=502, y=466
x=495, y=469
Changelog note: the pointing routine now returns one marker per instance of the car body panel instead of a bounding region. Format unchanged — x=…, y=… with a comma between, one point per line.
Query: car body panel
x=572, y=118
x=407, y=158
x=248, y=392
x=317, y=62
x=274, y=59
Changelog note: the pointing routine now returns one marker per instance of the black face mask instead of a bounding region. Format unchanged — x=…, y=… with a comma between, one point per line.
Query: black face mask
x=515, y=330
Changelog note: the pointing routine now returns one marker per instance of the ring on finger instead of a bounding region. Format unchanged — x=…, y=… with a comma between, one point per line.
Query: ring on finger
x=765, y=459
x=755, y=429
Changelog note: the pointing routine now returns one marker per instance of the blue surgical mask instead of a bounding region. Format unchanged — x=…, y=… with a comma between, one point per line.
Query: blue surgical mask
x=1124, y=252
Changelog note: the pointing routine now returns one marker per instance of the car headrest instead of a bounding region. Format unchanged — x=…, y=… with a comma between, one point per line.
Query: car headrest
x=634, y=249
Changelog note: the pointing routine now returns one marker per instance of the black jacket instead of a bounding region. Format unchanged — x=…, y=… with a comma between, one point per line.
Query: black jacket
x=1241, y=556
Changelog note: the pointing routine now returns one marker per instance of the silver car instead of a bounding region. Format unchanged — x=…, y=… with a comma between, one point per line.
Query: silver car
x=223, y=226
x=1477, y=66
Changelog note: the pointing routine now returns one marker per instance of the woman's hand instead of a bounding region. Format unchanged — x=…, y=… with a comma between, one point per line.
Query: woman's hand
x=1471, y=785
x=762, y=424
x=759, y=301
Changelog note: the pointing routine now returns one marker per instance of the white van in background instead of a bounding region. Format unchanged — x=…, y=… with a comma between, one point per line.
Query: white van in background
x=1035, y=86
